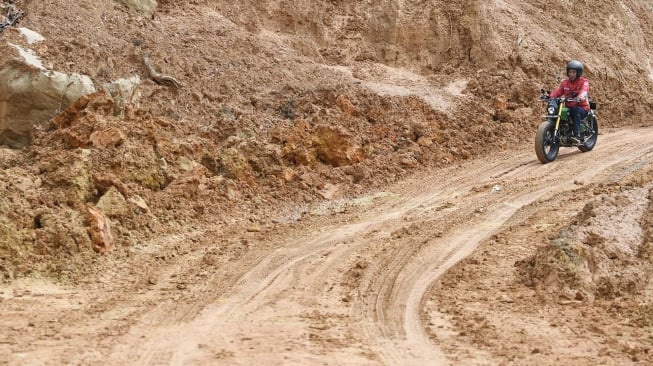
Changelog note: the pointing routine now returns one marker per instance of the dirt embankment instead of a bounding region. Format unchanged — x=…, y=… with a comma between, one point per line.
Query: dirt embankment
x=284, y=104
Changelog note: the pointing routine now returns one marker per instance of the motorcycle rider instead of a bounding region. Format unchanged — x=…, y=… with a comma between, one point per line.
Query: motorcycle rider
x=578, y=88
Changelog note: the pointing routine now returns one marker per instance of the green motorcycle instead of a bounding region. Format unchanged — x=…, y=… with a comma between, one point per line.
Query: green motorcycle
x=557, y=129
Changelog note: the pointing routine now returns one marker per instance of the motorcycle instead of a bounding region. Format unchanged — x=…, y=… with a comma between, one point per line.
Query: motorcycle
x=557, y=129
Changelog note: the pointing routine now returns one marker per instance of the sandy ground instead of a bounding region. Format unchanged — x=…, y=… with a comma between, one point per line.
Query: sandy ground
x=377, y=280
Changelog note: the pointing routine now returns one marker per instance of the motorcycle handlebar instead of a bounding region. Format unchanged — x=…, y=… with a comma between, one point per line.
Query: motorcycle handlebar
x=560, y=99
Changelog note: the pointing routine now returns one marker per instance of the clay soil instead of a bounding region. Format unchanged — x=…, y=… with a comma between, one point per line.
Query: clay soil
x=332, y=183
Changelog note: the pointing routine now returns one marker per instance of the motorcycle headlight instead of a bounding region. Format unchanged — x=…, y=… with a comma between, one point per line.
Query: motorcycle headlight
x=551, y=110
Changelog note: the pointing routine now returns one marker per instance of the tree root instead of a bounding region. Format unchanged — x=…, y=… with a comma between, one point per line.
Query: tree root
x=158, y=78
x=13, y=16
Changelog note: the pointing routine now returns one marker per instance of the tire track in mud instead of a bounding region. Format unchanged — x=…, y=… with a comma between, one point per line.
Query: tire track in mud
x=267, y=315
x=262, y=284
x=435, y=260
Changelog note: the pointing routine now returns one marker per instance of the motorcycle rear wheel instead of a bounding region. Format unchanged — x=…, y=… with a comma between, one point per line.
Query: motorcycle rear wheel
x=546, y=146
x=590, y=140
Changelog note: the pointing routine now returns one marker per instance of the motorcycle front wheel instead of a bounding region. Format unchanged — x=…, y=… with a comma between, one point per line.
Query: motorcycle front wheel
x=546, y=147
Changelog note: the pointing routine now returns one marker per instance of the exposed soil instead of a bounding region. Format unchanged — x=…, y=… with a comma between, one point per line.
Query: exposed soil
x=334, y=182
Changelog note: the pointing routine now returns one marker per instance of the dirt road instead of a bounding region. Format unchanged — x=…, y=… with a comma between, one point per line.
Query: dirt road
x=350, y=283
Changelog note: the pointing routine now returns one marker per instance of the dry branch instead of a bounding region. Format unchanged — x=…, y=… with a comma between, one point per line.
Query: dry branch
x=13, y=16
x=160, y=79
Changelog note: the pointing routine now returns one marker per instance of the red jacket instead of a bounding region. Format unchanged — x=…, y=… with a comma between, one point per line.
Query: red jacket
x=582, y=88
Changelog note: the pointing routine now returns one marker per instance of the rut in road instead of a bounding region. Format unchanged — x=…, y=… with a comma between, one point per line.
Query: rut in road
x=294, y=306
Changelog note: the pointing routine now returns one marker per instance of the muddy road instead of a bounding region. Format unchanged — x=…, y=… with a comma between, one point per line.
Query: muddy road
x=346, y=283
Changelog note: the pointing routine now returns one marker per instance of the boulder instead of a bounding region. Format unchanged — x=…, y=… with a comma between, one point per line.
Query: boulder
x=124, y=92
x=145, y=6
x=107, y=138
x=30, y=94
x=99, y=230
x=113, y=204
x=336, y=147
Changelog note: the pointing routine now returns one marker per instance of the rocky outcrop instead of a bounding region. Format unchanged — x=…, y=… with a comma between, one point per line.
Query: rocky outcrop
x=31, y=94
